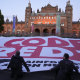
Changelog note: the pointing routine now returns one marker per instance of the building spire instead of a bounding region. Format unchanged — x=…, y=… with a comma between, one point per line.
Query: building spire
x=29, y=1
x=49, y=2
x=68, y=0
x=68, y=3
x=29, y=4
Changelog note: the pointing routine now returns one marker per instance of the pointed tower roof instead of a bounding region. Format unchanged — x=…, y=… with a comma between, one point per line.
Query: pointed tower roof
x=68, y=3
x=7, y=20
x=16, y=19
x=29, y=4
x=29, y=1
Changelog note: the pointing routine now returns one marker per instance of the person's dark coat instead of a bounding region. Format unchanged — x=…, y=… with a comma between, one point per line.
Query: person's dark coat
x=65, y=69
x=16, y=63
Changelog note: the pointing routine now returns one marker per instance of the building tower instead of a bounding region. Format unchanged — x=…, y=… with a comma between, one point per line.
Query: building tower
x=69, y=15
x=28, y=12
x=16, y=19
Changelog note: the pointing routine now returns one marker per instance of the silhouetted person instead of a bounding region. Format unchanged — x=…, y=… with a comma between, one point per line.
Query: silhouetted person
x=15, y=64
x=65, y=68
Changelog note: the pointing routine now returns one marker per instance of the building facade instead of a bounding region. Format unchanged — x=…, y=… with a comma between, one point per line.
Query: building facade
x=49, y=21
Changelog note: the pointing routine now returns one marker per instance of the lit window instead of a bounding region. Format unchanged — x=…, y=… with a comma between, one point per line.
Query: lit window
x=45, y=22
x=54, y=22
x=39, y=22
x=39, y=17
x=32, y=17
x=52, y=17
x=62, y=24
x=19, y=30
x=44, y=17
x=48, y=23
x=32, y=23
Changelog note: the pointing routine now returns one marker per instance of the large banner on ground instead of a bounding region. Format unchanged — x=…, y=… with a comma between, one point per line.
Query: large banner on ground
x=40, y=53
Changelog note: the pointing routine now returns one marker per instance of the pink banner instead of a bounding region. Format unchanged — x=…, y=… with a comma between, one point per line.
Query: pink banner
x=40, y=49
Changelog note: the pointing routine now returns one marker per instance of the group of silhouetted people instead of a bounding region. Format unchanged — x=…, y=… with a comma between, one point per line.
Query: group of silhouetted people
x=64, y=69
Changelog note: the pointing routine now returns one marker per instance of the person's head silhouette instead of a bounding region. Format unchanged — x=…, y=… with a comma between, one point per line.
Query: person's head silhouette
x=17, y=53
x=66, y=56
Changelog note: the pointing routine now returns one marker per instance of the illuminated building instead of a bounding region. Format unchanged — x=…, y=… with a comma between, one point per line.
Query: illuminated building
x=46, y=22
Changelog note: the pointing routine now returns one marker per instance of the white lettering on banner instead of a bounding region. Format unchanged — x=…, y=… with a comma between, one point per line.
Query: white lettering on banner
x=34, y=41
x=27, y=51
x=50, y=52
x=78, y=51
x=18, y=42
x=5, y=51
x=58, y=42
x=37, y=64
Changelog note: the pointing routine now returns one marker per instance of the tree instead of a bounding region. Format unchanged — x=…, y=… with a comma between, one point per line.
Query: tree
x=1, y=22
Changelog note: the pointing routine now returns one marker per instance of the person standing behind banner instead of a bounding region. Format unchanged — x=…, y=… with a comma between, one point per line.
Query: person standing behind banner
x=65, y=68
x=15, y=64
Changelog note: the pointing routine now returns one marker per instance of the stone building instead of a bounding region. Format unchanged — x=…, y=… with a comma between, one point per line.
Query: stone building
x=49, y=21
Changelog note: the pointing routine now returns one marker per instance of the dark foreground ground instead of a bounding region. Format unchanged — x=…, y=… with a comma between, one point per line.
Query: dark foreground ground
x=41, y=75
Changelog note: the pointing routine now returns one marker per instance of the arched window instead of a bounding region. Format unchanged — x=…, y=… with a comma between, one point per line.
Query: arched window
x=45, y=32
x=53, y=31
x=37, y=32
